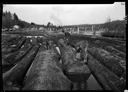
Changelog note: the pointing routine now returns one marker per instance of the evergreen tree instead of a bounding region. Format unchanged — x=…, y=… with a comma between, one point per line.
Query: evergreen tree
x=15, y=17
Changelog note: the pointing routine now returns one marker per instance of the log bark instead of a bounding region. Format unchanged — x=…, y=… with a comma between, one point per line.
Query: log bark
x=67, y=54
x=21, y=42
x=76, y=70
x=45, y=74
x=110, y=48
x=107, y=79
x=108, y=60
x=8, y=41
x=8, y=61
x=12, y=57
x=115, y=51
x=14, y=77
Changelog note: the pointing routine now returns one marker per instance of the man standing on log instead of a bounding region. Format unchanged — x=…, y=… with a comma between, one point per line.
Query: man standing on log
x=81, y=51
x=66, y=36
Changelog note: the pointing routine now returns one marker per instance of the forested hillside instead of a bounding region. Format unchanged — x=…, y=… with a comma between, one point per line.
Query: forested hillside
x=118, y=25
x=9, y=20
x=115, y=29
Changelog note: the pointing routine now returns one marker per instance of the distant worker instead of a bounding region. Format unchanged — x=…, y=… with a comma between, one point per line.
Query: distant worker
x=67, y=36
x=81, y=51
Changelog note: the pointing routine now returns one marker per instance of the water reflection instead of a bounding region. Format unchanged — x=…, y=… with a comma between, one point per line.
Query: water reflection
x=92, y=84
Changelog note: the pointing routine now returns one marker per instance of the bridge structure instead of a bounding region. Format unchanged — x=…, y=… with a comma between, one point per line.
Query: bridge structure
x=82, y=29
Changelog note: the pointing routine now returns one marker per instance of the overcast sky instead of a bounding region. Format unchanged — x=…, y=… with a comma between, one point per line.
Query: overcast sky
x=67, y=14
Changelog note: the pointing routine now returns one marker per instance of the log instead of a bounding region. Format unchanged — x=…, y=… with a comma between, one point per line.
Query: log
x=110, y=48
x=119, y=47
x=12, y=58
x=115, y=52
x=11, y=41
x=15, y=57
x=45, y=74
x=14, y=77
x=107, y=79
x=75, y=70
x=42, y=48
x=108, y=60
x=78, y=72
x=21, y=42
x=112, y=40
x=67, y=54
x=7, y=40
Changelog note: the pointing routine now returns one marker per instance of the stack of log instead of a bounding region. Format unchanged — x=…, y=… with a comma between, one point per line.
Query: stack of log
x=108, y=60
x=13, y=49
x=12, y=79
x=106, y=69
x=107, y=79
x=11, y=59
x=60, y=66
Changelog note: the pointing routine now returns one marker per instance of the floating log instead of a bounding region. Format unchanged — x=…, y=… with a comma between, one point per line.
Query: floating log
x=8, y=57
x=112, y=40
x=116, y=46
x=15, y=57
x=107, y=79
x=45, y=74
x=67, y=54
x=11, y=58
x=115, y=52
x=98, y=42
x=8, y=40
x=11, y=42
x=108, y=60
x=14, y=77
x=21, y=42
x=42, y=48
x=110, y=48
x=78, y=72
x=75, y=70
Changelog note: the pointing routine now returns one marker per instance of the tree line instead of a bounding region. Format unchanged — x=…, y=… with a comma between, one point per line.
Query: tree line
x=118, y=25
x=115, y=29
x=9, y=20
